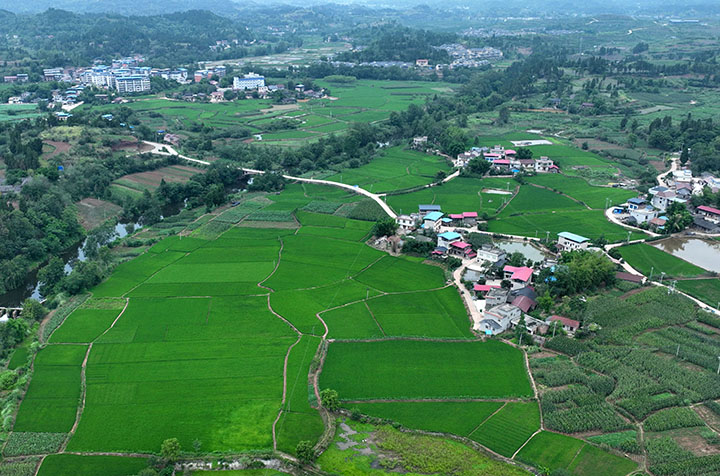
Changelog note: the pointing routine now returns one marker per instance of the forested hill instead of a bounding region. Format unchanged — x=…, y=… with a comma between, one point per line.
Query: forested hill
x=134, y=7
x=59, y=38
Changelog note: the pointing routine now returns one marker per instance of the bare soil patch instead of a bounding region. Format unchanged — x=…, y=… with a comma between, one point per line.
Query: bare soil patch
x=172, y=174
x=59, y=148
x=92, y=212
x=697, y=445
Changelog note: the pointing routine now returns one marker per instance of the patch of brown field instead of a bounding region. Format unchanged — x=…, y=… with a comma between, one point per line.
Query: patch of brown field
x=697, y=445
x=542, y=355
x=281, y=107
x=708, y=416
x=172, y=174
x=59, y=146
x=659, y=165
x=93, y=212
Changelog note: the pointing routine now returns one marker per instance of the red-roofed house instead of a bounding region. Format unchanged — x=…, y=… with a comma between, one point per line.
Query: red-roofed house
x=710, y=213
x=470, y=218
x=462, y=250
x=524, y=303
x=456, y=218
x=483, y=289
x=520, y=277
x=569, y=325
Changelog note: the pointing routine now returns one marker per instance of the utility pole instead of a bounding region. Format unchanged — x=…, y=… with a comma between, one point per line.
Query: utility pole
x=662, y=275
x=628, y=238
x=554, y=327
x=677, y=352
x=718, y=370
x=547, y=237
x=652, y=269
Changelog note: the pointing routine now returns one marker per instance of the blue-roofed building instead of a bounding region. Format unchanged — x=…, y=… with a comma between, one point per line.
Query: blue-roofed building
x=444, y=239
x=634, y=203
x=570, y=241
x=432, y=221
x=429, y=208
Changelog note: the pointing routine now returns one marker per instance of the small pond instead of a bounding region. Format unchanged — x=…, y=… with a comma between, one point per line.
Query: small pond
x=702, y=253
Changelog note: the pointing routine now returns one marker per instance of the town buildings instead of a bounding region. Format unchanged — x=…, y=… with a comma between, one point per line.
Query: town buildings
x=249, y=81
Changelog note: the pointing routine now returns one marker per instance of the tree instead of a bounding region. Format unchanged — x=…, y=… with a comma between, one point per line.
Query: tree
x=305, y=452
x=386, y=227
x=679, y=217
x=546, y=301
x=440, y=176
x=329, y=399
x=33, y=310
x=521, y=332
x=516, y=259
x=50, y=275
x=477, y=166
x=170, y=449
x=503, y=115
x=684, y=155
x=524, y=153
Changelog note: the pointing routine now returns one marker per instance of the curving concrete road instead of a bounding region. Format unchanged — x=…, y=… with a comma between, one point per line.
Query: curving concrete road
x=164, y=149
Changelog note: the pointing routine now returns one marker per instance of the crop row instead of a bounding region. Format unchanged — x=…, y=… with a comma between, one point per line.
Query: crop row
x=671, y=418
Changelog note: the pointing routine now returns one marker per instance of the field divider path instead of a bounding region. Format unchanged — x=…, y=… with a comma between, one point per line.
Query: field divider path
x=438, y=400
x=527, y=441
x=374, y=319
x=486, y=419
x=563, y=194
x=83, y=395
x=284, y=392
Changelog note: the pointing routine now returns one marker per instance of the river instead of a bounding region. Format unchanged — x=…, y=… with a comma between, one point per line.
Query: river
x=31, y=288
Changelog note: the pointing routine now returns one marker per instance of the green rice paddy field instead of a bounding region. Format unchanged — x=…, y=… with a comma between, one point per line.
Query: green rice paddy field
x=396, y=169
x=362, y=101
x=211, y=337
x=536, y=211
x=646, y=259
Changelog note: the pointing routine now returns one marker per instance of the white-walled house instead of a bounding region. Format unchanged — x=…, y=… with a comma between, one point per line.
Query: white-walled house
x=406, y=223
x=570, y=241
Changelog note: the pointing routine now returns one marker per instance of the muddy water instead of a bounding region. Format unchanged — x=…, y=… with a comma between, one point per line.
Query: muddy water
x=702, y=253
x=528, y=250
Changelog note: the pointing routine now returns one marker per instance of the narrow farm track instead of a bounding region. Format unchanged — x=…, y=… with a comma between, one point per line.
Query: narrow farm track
x=284, y=392
x=164, y=149
x=527, y=441
x=83, y=395
x=436, y=400
x=487, y=418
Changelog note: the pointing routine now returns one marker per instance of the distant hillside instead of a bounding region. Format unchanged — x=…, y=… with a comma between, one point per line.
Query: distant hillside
x=126, y=7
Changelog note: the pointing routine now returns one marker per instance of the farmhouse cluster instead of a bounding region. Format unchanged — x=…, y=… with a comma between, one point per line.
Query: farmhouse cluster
x=502, y=293
x=506, y=160
x=650, y=210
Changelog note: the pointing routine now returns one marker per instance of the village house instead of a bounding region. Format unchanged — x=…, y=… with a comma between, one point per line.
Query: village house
x=420, y=142
x=488, y=252
x=481, y=290
x=470, y=218
x=499, y=318
x=643, y=214
x=568, y=325
x=658, y=223
x=524, y=303
x=444, y=239
x=425, y=209
x=709, y=213
x=406, y=223
x=634, y=203
x=518, y=276
x=432, y=221
x=495, y=297
x=545, y=165
x=462, y=250
x=570, y=241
